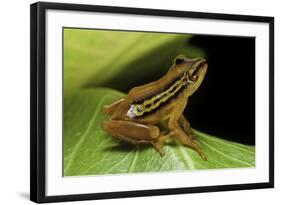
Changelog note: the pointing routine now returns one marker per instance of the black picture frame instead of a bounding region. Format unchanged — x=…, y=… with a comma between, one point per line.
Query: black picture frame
x=38, y=100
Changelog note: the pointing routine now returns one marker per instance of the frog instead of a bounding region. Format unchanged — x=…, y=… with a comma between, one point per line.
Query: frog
x=136, y=117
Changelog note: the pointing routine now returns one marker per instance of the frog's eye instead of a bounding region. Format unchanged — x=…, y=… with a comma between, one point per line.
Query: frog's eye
x=193, y=76
x=179, y=60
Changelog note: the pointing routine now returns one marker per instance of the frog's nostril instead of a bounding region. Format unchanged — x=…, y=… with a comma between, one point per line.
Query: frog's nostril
x=203, y=61
x=200, y=62
x=197, y=60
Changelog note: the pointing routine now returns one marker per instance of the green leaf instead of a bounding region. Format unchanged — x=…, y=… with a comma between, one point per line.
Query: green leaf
x=105, y=58
x=89, y=150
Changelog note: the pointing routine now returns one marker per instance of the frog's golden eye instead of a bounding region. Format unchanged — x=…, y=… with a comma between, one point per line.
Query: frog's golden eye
x=179, y=60
x=193, y=76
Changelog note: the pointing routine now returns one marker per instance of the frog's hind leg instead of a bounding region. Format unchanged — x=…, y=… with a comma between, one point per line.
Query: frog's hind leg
x=110, y=109
x=135, y=133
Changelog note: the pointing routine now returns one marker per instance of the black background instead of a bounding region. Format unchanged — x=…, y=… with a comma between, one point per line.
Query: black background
x=224, y=105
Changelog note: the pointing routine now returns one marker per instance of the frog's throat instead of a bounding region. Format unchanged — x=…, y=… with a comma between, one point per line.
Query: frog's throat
x=156, y=101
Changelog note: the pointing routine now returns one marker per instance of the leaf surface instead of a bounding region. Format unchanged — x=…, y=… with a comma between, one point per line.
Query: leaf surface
x=89, y=150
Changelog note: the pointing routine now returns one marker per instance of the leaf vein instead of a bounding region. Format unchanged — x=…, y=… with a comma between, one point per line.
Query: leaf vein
x=187, y=160
x=225, y=155
x=119, y=162
x=228, y=144
x=82, y=138
x=133, y=161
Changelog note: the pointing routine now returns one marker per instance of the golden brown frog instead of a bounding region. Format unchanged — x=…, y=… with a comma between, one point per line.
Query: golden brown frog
x=135, y=117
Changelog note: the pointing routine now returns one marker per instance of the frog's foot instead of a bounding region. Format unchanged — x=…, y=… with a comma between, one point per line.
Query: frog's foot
x=187, y=140
x=197, y=147
x=159, y=143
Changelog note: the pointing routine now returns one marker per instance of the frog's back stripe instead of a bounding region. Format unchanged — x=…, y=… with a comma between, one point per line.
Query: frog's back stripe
x=152, y=103
x=151, y=95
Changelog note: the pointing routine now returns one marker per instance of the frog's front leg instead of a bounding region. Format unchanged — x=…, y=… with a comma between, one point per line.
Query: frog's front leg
x=186, y=126
x=136, y=133
x=180, y=128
